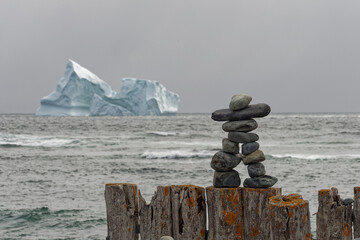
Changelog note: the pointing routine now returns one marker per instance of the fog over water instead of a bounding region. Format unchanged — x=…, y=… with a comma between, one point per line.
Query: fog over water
x=297, y=56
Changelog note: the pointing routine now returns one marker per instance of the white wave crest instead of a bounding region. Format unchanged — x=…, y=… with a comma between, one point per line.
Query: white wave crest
x=315, y=156
x=33, y=141
x=177, y=154
x=162, y=134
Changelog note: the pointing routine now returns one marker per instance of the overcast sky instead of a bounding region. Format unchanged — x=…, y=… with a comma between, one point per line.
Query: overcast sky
x=297, y=56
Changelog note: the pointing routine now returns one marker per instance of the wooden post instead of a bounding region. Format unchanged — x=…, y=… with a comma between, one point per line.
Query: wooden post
x=256, y=212
x=289, y=218
x=357, y=212
x=225, y=209
x=156, y=217
x=122, y=210
x=188, y=212
x=332, y=219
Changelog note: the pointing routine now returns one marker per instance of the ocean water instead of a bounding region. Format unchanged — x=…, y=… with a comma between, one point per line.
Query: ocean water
x=53, y=169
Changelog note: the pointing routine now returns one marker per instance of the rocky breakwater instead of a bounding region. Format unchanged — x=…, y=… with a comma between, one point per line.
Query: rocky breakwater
x=239, y=124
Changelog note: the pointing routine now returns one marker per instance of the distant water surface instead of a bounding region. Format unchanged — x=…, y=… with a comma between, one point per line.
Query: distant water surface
x=53, y=169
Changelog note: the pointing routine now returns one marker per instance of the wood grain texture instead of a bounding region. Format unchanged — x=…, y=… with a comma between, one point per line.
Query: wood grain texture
x=289, y=218
x=333, y=219
x=225, y=210
x=357, y=212
x=256, y=212
x=188, y=212
x=122, y=210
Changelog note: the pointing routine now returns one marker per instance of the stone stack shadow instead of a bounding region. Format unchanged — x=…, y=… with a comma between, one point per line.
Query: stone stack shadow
x=239, y=124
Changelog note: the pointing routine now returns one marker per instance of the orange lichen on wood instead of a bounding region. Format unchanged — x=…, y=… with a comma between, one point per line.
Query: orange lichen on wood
x=202, y=232
x=255, y=232
x=304, y=218
x=190, y=201
x=166, y=191
x=291, y=201
x=308, y=236
x=238, y=229
x=324, y=192
x=291, y=214
x=230, y=218
x=347, y=230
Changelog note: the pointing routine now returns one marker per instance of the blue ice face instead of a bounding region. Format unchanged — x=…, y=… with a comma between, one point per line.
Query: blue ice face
x=81, y=93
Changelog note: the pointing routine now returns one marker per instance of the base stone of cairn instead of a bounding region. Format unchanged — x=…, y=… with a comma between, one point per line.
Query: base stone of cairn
x=239, y=124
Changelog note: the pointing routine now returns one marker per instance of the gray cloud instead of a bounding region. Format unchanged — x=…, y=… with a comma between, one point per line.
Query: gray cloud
x=298, y=56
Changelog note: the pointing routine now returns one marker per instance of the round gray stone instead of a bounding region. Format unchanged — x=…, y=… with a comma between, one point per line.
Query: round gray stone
x=223, y=162
x=239, y=101
x=241, y=137
x=166, y=238
x=251, y=111
x=250, y=147
x=348, y=201
x=256, y=170
x=240, y=126
x=229, y=146
x=265, y=181
x=255, y=157
x=230, y=179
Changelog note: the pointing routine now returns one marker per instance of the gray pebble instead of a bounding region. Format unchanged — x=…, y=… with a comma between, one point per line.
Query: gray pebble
x=250, y=147
x=255, y=157
x=239, y=101
x=223, y=162
x=348, y=201
x=240, y=126
x=166, y=238
x=251, y=111
x=229, y=146
x=229, y=179
x=256, y=170
x=241, y=137
x=265, y=181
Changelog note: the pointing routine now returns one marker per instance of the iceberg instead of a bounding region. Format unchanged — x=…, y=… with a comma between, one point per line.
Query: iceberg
x=81, y=93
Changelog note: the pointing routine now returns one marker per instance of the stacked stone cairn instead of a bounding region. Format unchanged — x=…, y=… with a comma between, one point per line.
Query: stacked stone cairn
x=239, y=125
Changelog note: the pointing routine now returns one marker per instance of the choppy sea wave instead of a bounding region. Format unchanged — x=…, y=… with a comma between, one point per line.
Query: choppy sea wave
x=53, y=169
x=15, y=140
x=177, y=154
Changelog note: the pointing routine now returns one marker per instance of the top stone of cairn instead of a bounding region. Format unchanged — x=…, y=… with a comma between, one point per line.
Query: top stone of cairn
x=239, y=101
x=251, y=111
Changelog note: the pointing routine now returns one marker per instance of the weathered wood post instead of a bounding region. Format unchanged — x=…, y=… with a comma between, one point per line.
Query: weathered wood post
x=256, y=212
x=156, y=217
x=225, y=209
x=122, y=210
x=289, y=218
x=357, y=212
x=333, y=219
x=188, y=212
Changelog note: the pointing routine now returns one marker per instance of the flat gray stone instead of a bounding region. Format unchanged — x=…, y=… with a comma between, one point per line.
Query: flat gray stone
x=256, y=170
x=240, y=126
x=229, y=146
x=265, y=181
x=239, y=101
x=229, y=179
x=251, y=111
x=223, y=162
x=241, y=137
x=255, y=157
x=250, y=147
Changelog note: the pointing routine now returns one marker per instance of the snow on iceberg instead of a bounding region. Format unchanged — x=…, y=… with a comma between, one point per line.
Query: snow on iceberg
x=81, y=93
